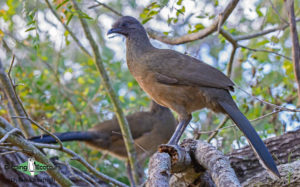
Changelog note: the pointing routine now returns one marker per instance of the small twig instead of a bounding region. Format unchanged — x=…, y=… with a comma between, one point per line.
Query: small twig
x=11, y=148
x=261, y=33
x=266, y=115
x=265, y=51
x=8, y=152
x=42, y=128
x=276, y=12
x=230, y=63
x=106, y=6
x=216, y=130
x=8, y=134
x=220, y=126
x=270, y=104
x=88, y=179
x=143, y=149
x=11, y=65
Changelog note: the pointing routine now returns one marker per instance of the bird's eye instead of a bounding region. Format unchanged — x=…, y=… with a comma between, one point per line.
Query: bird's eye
x=124, y=25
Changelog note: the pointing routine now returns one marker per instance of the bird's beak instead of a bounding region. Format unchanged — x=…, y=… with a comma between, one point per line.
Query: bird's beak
x=114, y=30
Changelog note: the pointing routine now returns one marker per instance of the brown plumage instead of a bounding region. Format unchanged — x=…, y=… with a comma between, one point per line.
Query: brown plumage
x=149, y=129
x=183, y=84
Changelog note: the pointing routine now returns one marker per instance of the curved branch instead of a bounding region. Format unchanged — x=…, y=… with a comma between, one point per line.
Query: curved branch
x=198, y=35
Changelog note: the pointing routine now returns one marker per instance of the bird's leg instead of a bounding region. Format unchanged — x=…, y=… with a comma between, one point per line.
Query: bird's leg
x=180, y=129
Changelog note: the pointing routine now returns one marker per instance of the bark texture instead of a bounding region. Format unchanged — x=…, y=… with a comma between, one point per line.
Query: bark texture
x=159, y=170
x=284, y=149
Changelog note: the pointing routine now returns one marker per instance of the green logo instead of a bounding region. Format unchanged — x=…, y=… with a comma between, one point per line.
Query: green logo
x=32, y=167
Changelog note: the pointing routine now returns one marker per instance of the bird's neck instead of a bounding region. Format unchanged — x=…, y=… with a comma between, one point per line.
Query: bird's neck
x=138, y=44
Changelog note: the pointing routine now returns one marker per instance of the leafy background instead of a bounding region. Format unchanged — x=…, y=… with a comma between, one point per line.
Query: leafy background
x=61, y=89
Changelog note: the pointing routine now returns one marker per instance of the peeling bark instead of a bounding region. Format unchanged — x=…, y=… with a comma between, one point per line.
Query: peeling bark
x=284, y=149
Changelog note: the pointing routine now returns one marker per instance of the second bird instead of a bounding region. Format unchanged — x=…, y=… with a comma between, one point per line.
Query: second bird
x=148, y=129
x=183, y=84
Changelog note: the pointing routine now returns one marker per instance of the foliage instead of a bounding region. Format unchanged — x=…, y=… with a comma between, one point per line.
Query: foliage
x=61, y=89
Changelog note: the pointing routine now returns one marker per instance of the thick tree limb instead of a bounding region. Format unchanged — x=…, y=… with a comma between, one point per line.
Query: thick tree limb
x=128, y=140
x=159, y=170
x=289, y=4
x=204, y=156
x=290, y=171
x=198, y=35
x=13, y=98
x=284, y=148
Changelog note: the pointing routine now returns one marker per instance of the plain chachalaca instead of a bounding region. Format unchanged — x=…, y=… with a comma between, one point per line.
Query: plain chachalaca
x=183, y=84
x=149, y=130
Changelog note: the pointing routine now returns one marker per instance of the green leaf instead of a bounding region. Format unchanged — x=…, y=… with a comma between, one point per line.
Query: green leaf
x=259, y=13
x=200, y=17
x=30, y=29
x=69, y=19
x=146, y=20
x=274, y=39
x=199, y=26
x=179, y=2
x=61, y=4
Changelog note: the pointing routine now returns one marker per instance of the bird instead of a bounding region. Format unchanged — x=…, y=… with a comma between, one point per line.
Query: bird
x=183, y=84
x=149, y=129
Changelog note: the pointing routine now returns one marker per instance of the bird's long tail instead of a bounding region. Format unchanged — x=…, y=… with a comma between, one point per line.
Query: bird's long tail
x=253, y=138
x=66, y=136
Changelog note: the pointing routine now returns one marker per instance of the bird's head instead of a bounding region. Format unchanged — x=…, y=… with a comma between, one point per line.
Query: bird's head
x=126, y=26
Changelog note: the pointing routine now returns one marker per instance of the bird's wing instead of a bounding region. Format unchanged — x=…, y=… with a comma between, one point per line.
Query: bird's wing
x=172, y=67
x=139, y=123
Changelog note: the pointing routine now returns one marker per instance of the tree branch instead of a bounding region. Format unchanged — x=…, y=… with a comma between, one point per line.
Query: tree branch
x=159, y=170
x=284, y=149
x=128, y=140
x=13, y=98
x=295, y=41
x=203, y=157
x=106, y=6
x=261, y=33
x=30, y=150
x=198, y=35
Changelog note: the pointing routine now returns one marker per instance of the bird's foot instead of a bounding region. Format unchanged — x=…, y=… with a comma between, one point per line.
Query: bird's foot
x=180, y=158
